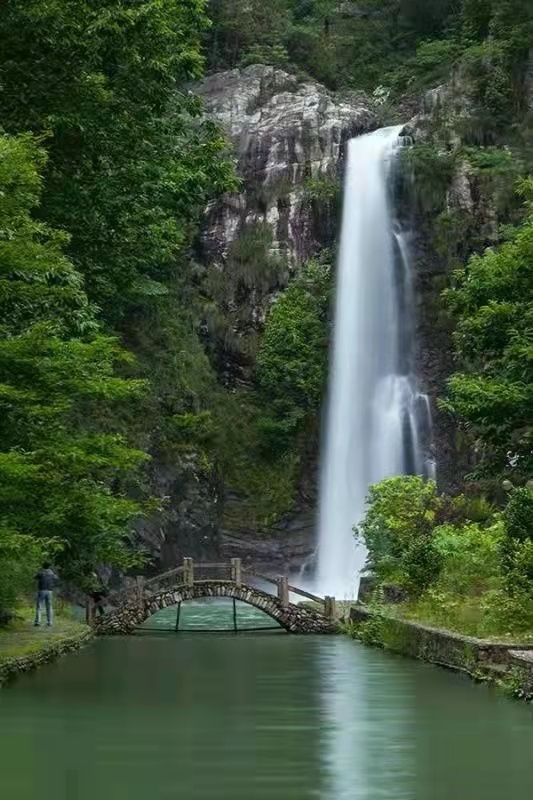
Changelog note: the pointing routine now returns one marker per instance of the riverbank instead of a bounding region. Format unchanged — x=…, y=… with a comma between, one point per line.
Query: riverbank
x=24, y=648
x=506, y=664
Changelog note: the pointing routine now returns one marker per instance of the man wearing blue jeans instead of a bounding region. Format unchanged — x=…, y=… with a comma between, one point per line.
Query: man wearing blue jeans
x=46, y=580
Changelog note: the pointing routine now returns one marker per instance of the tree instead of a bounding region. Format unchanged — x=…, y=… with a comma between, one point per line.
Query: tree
x=397, y=530
x=20, y=557
x=64, y=470
x=492, y=301
x=131, y=163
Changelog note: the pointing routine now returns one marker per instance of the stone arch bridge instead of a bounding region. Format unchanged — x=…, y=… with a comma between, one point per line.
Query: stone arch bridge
x=191, y=581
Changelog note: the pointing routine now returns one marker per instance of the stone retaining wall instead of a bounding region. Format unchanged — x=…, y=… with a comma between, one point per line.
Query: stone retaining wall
x=11, y=667
x=521, y=663
x=495, y=661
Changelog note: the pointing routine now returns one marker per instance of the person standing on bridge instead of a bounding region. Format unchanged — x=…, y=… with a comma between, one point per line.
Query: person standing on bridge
x=46, y=581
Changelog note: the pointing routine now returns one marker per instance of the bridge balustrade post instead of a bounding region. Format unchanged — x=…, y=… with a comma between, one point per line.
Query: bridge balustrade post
x=329, y=607
x=283, y=591
x=140, y=591
x=188, y=571
x=236, y=571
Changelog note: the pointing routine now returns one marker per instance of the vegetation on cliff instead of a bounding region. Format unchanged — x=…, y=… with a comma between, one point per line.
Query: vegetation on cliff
x=492, y=300
x=266, y=431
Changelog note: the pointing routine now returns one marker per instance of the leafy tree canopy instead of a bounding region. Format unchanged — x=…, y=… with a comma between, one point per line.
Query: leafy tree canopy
x=63, y=469
x=131, y=163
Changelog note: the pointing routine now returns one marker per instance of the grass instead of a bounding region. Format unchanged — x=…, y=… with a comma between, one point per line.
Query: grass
x=469, y=616
x=21, y=638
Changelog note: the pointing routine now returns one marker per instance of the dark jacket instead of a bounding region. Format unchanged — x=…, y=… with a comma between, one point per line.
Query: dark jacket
x=46, y=580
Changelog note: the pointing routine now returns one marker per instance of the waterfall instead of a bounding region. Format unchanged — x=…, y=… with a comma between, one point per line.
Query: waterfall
x=377, y=421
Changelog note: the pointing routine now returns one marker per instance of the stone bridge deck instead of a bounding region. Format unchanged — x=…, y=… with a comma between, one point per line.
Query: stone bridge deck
x=194, y=582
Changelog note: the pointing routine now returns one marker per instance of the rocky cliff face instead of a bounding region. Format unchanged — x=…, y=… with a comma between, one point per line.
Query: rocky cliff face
x=289, y=139
x=465, y=217
x=285, y=133
x=435, y=124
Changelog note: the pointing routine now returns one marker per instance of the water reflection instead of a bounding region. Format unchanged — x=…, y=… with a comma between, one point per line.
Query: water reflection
x=257, y=717
x=211, y=614
x=402, y=731
x=367, y=746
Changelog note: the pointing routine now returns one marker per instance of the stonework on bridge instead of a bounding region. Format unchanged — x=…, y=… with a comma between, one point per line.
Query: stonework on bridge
x=137, y=608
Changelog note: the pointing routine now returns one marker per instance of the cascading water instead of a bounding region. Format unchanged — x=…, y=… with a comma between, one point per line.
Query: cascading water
x=378, y=423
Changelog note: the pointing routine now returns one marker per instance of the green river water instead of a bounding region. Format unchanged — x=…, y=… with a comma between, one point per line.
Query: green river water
x=256, y=716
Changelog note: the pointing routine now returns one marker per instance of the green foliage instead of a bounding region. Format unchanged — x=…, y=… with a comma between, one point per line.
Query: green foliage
x=493, y=303
x=259, y=434
x=470, y=556
x=250, y=260
x=475, y=577
x=517, y=547
x=20, y=556
x=183, y=387
x=265, y=54
x=264, y=484
x=131, y=164
x=37, y=282
x=251, y=271
x=496, y=172
x=58, y=381
x=337, y=47
x=430, y=66
x=292, y=362
x=397, y=530
x=323, y=189
x=369, y=632
x=498, y=37
x=518, y=515
x=247, y=31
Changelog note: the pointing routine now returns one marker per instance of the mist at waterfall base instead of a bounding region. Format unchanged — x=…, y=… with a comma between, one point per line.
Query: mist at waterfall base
x=378, y=424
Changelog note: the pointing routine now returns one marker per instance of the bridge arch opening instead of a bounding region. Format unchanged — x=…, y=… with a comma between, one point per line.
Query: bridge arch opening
x=211, y=615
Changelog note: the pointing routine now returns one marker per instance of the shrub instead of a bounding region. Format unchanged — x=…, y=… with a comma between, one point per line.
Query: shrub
x=470, y=556
x=517, y=546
